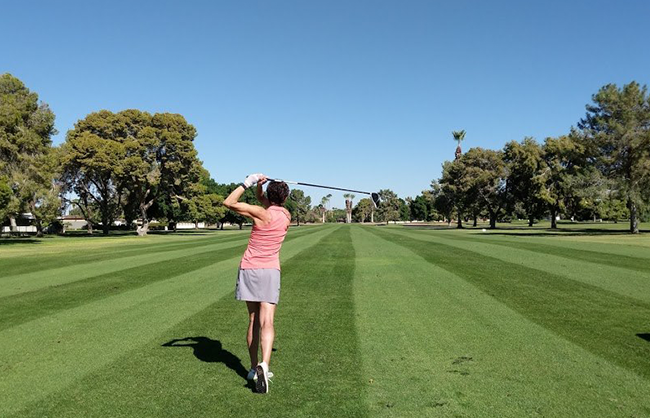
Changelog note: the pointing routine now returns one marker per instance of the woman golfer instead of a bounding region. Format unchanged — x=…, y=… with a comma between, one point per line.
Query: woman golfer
x=258, y=281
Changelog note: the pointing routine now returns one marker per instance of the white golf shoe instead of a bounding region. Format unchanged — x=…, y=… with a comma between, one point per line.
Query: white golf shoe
x=262, y=382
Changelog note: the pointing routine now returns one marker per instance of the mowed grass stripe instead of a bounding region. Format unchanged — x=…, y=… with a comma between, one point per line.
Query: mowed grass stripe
x=206, y=377
x=629, y=283
x=33, y=263
x=597, y=257
x=21, y=265
x=24, y=307
x=625, y=245
x=45, y=358
x=318, y=332
x=435, y=345
x=604, y=323
x=57, y=276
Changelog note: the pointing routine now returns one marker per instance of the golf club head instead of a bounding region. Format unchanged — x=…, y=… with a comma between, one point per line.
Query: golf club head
x=375, y=199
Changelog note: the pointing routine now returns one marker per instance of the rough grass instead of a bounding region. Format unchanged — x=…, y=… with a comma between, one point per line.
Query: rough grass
x=373, y=321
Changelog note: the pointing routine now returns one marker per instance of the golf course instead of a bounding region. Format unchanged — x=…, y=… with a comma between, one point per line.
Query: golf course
x=373, y=321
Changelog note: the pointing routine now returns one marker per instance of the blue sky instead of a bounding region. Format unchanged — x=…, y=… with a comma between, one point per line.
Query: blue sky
x=358, y=94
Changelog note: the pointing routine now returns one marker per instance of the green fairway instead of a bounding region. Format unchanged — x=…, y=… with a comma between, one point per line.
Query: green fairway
x=372, y=321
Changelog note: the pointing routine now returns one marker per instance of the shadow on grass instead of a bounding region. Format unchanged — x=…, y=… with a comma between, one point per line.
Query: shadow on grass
x=644, y=336
x=526, y=231
x=211, y=351
x=563, y=232
x=15, y=241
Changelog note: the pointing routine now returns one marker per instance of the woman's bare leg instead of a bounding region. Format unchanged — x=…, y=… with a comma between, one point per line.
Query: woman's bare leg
x=266, y=314
x=253, y=335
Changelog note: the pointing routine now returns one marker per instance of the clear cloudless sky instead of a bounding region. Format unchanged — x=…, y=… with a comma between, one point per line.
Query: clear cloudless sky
x=359, y=94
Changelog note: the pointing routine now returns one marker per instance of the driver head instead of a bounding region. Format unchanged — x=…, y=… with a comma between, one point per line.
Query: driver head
x=375, y=199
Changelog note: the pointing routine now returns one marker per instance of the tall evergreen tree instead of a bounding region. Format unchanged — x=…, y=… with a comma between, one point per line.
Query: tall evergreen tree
x=618, y=126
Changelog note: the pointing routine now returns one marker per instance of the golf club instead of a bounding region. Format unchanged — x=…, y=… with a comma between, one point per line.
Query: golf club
x=374, y=196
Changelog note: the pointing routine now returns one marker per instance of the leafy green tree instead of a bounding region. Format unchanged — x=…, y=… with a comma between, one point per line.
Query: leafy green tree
x=453, y=188
x=618, y=127
x=178, y=164
x=441, y=203
x=206, y=208
x=419, y=209
x=612, y=208
x=525, y=183
x=336, y=215
x=585, y=191
x=26, y=127
x=139, y=174
x=389, y=207
x=404, y=210
x=40, y=192
x=298, y=205
x=484, y=178
x=5, y=196
x=559, y=157
x=92, y=167
x=571, y=184
x=128, y=161
x=313, y=215
x=363, y=210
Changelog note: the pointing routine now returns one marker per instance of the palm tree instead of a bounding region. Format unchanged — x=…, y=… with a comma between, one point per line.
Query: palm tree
x=348, y=206
x=325, y=201
x=323, y=206
x=458, y=137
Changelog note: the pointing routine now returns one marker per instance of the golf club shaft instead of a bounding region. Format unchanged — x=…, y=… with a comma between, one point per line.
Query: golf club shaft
x=322, y=187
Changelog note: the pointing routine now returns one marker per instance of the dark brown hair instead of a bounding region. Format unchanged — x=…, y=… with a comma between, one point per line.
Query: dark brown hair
x=277, y=192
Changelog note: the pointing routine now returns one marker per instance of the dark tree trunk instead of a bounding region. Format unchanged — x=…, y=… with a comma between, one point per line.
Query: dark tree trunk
x=634, y=223
x=144, y=229
x=493, y=219
x=553, y=217
x=106, y=224
x=531, y=221
x=460, y=221
x=475, y=221
x=39, y=229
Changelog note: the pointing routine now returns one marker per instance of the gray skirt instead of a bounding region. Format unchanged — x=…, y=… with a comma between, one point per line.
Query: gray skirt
x=258, y=285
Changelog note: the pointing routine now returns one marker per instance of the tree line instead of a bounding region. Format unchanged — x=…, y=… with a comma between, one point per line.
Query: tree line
x=598, y=170
x=138, y=166
x=129, y=165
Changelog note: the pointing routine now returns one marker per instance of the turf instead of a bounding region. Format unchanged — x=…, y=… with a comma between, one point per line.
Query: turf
x=372, y=321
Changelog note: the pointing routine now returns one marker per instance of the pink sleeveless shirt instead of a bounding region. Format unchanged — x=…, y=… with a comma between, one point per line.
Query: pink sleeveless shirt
x=263, y=250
